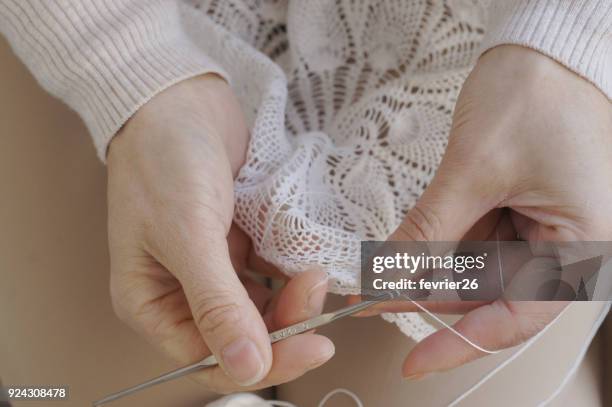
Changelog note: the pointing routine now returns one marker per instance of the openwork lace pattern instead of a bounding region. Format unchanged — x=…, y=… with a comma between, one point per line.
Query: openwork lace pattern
x=349, y=104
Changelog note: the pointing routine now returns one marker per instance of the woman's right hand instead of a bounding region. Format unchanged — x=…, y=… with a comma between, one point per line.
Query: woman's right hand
x=176, y=256
x=529, y=155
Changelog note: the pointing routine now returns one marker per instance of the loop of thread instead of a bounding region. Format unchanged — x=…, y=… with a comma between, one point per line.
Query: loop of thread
x=325, y=399
x=340, y=390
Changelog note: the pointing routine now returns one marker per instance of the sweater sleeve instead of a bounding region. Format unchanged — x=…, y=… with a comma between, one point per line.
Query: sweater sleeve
x=104, y=58
x=577, y=33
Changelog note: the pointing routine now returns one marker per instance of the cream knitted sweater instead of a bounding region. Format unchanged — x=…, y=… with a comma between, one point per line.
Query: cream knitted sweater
x=349, y=101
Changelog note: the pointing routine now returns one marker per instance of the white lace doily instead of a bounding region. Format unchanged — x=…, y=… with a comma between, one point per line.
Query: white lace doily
x=349, y=103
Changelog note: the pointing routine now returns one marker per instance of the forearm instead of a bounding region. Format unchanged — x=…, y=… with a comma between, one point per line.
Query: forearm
x=105, y=59
x=203, y=107
x=577, y=33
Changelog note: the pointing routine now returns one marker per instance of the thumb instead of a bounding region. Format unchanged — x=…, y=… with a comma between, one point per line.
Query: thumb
x=454, y=202
x=228, y=320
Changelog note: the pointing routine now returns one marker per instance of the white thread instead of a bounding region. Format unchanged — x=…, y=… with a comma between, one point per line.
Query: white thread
x=492, y=372
x=325, y=399
x=449, y=327
x=486, y=377
x=340, y=390
x=280, y=403
x=272, y=218
x=499, y=263
x=580, y=356
x=506, y=362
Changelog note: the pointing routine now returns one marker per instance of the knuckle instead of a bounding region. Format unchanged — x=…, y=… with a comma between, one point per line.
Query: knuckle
x=199, y=225
x=126, y=300
x=421, y=224
x=118, y=303
x=120, y=310
x=217, y=315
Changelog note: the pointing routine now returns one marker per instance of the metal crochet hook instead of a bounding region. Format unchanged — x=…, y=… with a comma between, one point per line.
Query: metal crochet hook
x=275, y=336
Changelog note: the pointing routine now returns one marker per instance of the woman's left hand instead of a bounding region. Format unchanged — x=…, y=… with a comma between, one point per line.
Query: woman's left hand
x=531, y=136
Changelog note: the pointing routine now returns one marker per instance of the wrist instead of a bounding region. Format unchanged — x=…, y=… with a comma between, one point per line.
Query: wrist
x=202, y=107
x=520, y=73
x=517, y=62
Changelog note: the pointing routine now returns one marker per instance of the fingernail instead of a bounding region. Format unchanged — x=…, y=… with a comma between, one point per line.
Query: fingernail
x=243, y=362
x=417, y=376
x=316, y=297
x=325, y=355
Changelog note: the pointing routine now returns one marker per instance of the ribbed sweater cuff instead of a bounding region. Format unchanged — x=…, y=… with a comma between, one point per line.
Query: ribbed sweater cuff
x=577, y=33
x=104, y=58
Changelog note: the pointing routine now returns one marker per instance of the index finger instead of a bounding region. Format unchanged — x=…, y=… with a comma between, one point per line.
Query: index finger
x=495, y=326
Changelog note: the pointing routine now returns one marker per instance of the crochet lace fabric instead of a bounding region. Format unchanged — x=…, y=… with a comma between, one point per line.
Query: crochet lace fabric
x=349, y=104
